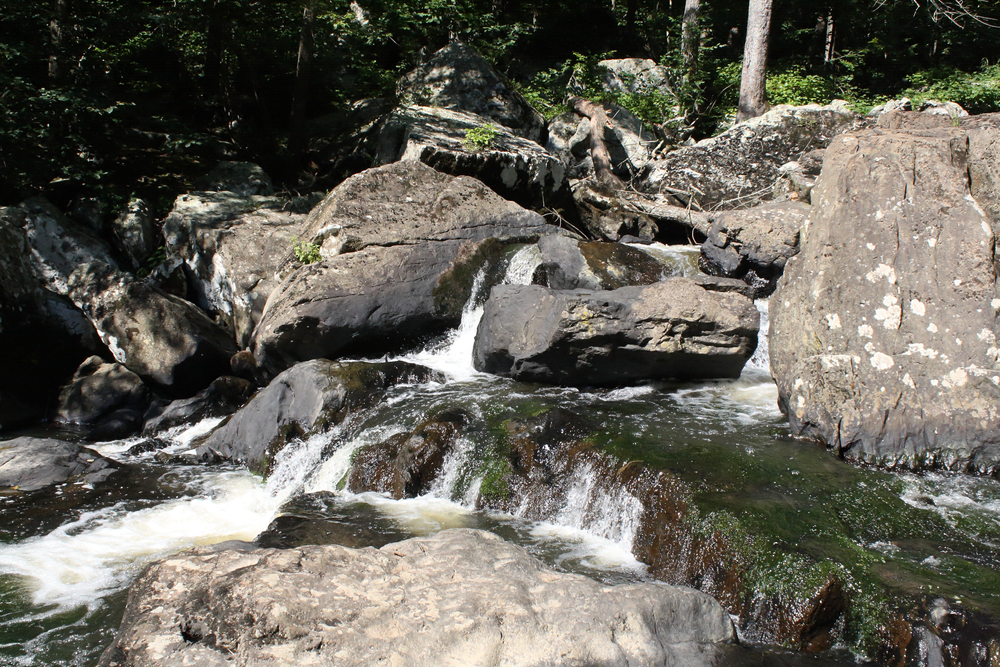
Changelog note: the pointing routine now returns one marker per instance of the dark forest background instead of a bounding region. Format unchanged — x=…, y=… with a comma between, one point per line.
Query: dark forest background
x=120, y=98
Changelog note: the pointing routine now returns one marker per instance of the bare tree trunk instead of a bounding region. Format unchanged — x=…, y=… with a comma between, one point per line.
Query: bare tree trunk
x=831, y=36
x=303, y=78
x=598, y=149
x=57, y=39
x=753, y=80
x=213, y=48
x=690, y=39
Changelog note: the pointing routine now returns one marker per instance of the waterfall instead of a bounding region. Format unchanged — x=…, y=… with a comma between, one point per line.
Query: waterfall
x=761, y=359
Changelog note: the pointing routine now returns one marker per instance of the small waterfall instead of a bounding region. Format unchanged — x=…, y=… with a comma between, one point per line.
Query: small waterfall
x=760, y=358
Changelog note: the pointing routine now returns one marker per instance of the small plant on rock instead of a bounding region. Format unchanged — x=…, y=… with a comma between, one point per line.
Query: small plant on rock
x=305, y=252
x=480, y=137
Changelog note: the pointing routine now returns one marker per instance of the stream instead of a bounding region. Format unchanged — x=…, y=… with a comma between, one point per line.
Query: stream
x=788, y=511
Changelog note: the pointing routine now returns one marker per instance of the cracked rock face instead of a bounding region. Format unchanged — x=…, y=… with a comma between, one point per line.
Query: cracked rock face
x=461, y=597
x=883, y=331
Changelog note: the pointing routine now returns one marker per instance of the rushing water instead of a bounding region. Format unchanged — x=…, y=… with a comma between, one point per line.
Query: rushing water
x=62, y=580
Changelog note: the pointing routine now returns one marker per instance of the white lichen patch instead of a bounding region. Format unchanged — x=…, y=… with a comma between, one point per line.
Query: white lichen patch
x=918, y=348
x=995, y=303
x=932, y=242
x=932, y=327
x=838, y=360
x=882, y=361
x=883, y=271
x=865, y=331
x=956, y=378
x=917, y=307
x=892, y=314
x=832, y=321
x=957, y=282
x=987, y=336
x=908, y=381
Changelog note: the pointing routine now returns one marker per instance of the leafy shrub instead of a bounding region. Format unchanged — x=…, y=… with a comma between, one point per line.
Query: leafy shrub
x=481, y=137
x=794, y=86
x=977, y=92
x=305, y=252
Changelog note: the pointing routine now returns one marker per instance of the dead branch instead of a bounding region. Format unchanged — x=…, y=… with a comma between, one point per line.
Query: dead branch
x=598, y=150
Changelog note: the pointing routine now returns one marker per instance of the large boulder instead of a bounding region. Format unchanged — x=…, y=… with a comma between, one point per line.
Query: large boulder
x=635, y=75
x=233, y=246
x=417, y=239
x=740, y=165
x=630, y=145
x=754, y=244
x=134, y=233
x=30, y=464
x=223, y=397
x=241, y=178
x=43, y=335
x=107, y=395
x=457, y=77
x=510, y=165
x=672, y=329
x=303, y=400
x=462, y=597
x=883, y=332
x=162, y=338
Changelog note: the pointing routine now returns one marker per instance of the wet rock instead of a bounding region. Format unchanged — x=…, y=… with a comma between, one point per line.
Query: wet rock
x=883, y=334
x=43, y=335
x=570, y=264
x=514, y=167
x=324, y=518
x=407, y=464
x=30, y=464
x=417, y=240
x=607, y=213
x=501, y=605
x=457, y=77
x=160, y=337
x=98, y=388
x=241, y=178
x=672, y=329
x=224, y=396
x=739, y=166
x=754, y=244
x=233, y=246
x=134, y=233
x=303, y=400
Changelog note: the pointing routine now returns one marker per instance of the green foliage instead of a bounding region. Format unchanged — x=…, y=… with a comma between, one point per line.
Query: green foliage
x=305, y=252
x=977, y=92
x=481, y=137
x=793, y=85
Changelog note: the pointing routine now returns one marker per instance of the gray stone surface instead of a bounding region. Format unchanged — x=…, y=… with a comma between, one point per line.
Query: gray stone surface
x=634, y=75
x=754, y=244
x=96, y=389
x=739, y=166
x=30, y=464
x=302, y=400
x=234, y=247
x=134, y=233
x=514, y=167
x=630, y=145
x=402, y=245
x=457, y=77
x=461, y=597
x=241, y=178
x=160, y=337
x=224, y=396
x=883, y=330
x=672, y=329
x=567, y=263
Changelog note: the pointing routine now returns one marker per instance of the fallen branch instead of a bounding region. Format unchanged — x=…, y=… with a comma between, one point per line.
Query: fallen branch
x=598, y=149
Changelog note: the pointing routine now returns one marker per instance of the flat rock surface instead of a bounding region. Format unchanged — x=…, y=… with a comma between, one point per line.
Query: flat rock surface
x=29, y=464
x=461, y=597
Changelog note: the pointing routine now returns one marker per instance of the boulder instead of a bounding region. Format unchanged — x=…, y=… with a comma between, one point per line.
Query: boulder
x=417, y=239
x=241, y=178
x=630, y=145
x=883, y=330
x=43, y=335
x=514, y=167
x=407, y=464
x=233, y=246
x=570, y=264
x=462, y=597
x=634, y=75
x=303, y=400
x=739, y=166
x=754, y=244
x=457, y=77
x=30, y=464
x=224, y=396
x=160, y=337
x=98, y=388
x=672, y=329
x=134, y=233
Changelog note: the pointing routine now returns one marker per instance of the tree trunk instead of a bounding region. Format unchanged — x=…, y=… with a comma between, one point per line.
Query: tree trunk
x=753, y=80
x=831, y=36
x=598, y=149
x=303, y=78
x=57, y=39
x=214, y=48
x=690, y=39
